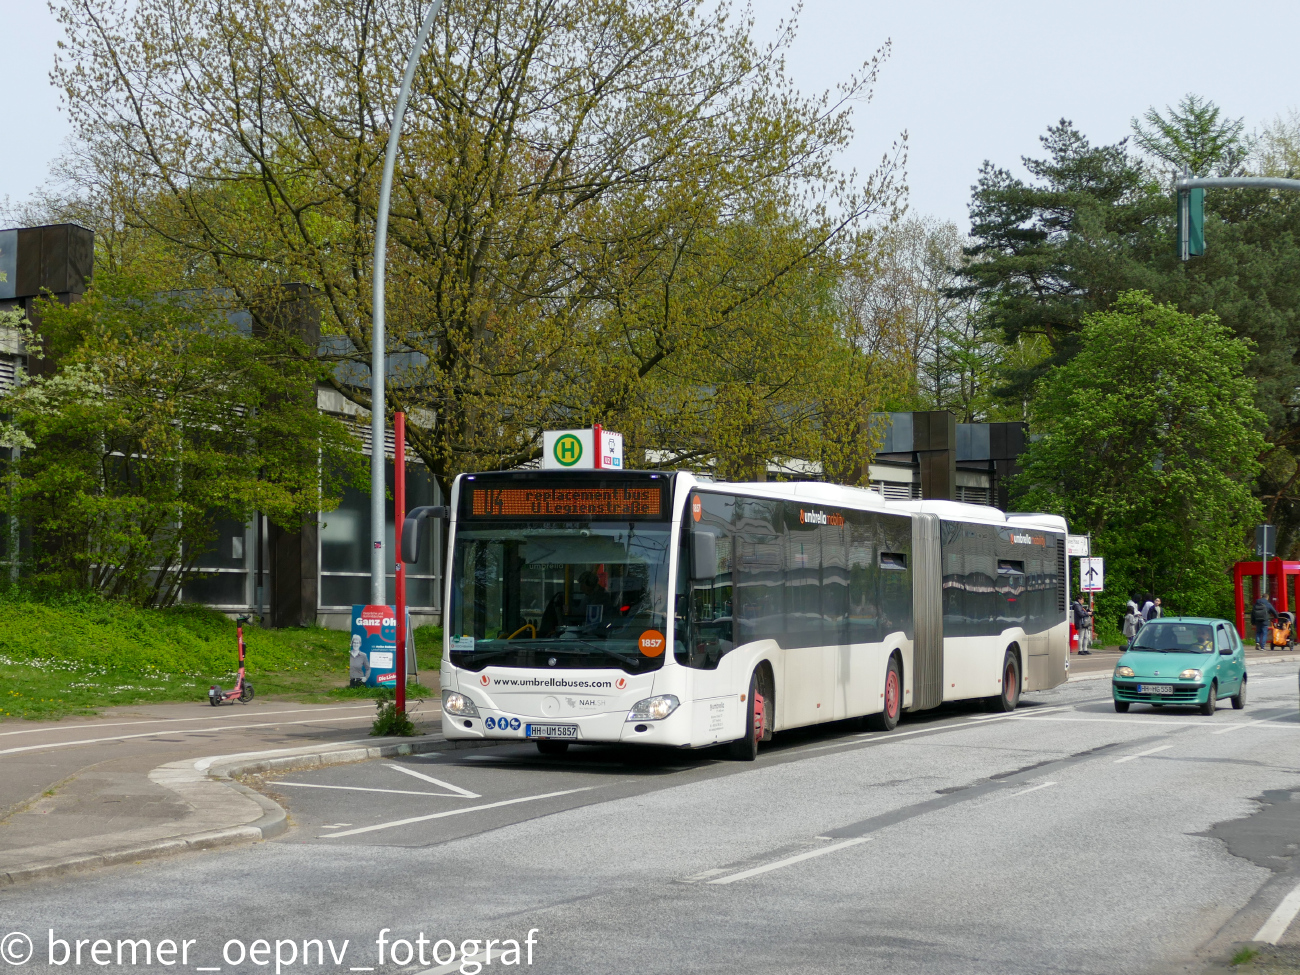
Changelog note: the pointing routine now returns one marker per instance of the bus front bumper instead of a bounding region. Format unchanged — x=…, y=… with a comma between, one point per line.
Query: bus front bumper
x=608, y=727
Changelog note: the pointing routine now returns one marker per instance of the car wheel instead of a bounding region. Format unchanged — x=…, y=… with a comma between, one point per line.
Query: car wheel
x=1239, y=699
x=746, y=749
x=1009, y=699
x=887, y=719
x=1122, y=707
x=548, y=747
x=1211, y=699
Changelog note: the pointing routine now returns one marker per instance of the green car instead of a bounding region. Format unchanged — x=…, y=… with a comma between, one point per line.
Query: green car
x=1184, y=660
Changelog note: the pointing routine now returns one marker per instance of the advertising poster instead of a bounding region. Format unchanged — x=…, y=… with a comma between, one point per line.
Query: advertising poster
x=374, y=645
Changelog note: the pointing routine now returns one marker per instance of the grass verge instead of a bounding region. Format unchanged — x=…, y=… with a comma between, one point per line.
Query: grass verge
x=73, y=654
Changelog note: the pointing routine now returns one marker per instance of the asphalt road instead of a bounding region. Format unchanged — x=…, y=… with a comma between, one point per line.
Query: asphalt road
x=1063, y=838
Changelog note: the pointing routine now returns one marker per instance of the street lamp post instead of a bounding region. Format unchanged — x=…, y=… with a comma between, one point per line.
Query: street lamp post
x=378, y=411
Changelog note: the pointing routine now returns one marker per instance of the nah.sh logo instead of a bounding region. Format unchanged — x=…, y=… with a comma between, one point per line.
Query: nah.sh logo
x=485, y=680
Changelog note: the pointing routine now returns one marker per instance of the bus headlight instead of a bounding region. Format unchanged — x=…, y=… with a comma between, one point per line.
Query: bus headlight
x=1123, y=671
x=653, y=708
x=1189, y=674
x=458, y=704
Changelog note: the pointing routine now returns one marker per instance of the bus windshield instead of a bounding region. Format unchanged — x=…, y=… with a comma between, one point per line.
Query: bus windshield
x=561, y=595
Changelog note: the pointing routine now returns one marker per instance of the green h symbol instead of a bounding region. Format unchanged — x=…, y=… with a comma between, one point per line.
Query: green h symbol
x=568, y=450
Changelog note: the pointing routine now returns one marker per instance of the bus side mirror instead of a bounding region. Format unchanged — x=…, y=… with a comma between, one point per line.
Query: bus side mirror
x=411, y=534
x=704, y=556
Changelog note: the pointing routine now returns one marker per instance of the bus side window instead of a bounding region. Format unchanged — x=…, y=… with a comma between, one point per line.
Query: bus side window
x=711, y=611
x=864, y=579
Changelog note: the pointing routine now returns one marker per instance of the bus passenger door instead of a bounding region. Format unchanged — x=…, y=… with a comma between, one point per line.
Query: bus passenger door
x=716, y=714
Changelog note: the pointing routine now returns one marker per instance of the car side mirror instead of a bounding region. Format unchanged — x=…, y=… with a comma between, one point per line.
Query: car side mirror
x=704, y=556
x=1226, y=651
x=411, y=534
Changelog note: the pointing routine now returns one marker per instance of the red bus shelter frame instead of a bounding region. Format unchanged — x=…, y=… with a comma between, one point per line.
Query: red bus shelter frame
x=1280, y=571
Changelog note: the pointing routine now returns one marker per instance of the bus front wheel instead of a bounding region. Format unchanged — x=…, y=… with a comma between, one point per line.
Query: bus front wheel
x=746, y=749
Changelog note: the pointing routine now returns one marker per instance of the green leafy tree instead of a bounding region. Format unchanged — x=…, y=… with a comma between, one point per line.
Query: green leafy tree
x=157, y=419
x=1050, y=252
x=1095, y=221
x=571, y=207
x=1195, y=136
x=1149, y=441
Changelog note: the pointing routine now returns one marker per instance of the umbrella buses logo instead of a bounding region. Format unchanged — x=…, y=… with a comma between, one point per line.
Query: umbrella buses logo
x=820, y=518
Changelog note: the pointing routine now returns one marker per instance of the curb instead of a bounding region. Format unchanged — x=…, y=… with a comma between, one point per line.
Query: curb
x=211, y=781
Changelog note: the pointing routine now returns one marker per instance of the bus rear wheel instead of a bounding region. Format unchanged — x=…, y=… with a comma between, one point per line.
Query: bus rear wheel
x=1010, y=696
x=746, y=749
x=887, y=719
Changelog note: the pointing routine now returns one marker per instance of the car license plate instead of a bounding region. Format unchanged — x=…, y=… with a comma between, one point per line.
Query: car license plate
x=1155, y=689
x=551, y=731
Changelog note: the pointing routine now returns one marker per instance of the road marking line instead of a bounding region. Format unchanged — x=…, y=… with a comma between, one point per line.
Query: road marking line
x=359, y=788
x=695, y=878
x=1281, y=918
x=789, y=861
x=191, y=731
x=1154, y=720
x=206, y=717
x=1149, y=751
x=429, y=778
x=1237, y=726
x=996, y=797
x=454, y=812
x=1028, y=713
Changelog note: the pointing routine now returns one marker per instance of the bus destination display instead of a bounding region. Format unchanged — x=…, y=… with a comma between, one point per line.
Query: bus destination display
x=568, y=502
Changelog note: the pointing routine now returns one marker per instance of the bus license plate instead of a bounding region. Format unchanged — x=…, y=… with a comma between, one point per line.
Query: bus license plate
x=551, y=731
x=1155, y=689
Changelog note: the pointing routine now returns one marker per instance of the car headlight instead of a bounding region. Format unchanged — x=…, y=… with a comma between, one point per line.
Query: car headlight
x=1123, y=671
x=1189, y=674
x=653, y=708
x=458, y=704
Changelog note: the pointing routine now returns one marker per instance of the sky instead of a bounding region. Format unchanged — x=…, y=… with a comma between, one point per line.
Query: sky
x=967, y=80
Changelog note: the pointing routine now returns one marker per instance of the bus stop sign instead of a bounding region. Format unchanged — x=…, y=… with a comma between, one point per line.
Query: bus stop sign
x=1092, y=575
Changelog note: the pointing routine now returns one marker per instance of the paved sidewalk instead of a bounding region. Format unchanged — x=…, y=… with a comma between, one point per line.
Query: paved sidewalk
x=123, y=785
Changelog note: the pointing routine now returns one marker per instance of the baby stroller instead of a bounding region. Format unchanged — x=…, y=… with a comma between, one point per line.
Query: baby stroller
x=1281, y=632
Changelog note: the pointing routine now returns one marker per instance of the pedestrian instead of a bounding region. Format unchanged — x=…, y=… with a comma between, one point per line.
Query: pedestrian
x=1262, y=614
x=1159, y=609
x=1149, y=609
x=1082, y=624
x=1132, y=619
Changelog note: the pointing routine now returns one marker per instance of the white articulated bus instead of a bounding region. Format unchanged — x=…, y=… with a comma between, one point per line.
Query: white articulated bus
x=658, y=608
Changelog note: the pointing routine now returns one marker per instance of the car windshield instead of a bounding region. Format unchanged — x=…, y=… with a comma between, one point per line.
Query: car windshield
x=560, y=595
x=1176, y=637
